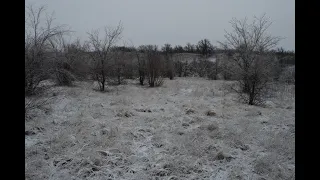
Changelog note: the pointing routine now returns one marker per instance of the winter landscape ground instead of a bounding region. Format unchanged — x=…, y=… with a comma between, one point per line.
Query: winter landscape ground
x=190, y=128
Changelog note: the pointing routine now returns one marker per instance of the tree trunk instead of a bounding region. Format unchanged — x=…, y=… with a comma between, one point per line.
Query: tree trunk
x=171, y=75
x=141, y=77
x=153, y=78
x=119, y=77
x=141, y=80
x=103, y=80
x=251, y=96
x=246, y=86
x=216, y=73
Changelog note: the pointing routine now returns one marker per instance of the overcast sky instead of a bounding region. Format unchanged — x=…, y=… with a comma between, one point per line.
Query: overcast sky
x=172, y=21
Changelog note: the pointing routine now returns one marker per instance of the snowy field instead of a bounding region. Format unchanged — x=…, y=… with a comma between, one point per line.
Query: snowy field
x=190, y=128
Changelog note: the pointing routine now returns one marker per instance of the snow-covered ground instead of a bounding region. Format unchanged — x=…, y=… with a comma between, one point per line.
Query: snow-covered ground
x=212, y=59
x=134, y=132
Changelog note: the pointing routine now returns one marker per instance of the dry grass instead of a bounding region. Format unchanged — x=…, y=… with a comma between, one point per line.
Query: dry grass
x=93, y=135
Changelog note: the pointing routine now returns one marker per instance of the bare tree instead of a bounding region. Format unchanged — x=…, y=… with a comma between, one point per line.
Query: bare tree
x=141, y=64
x=190, y=48
x=154, y=66
x=139, y=53
x=168, y=52
x=205, y=47
x=101, y=54
x=38, y=34
x=178, y=49
x=249, y=46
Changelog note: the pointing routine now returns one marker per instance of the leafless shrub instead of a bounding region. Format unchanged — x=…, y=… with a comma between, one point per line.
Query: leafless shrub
x=62, y=75
x=249, y=46
x=168, y=53
x=139, y=53
x=205, y=47
x=38, y=45
x=154, y=66
x=69, y=60
x=102, y=52
x=59, y=67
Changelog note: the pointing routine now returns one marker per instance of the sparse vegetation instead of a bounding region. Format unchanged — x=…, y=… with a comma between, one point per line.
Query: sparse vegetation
x=39, y=35
x=251, y=53
x=154, y=66
x=168, y=53
x=103, y=52
x=190, y=127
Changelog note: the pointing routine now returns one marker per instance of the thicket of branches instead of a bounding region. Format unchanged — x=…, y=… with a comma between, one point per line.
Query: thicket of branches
x=155, y=66
x=40, y=34
x=141, y=63
x=168, y=54
x=247, y=56
x=103, y=52
x=252, y=57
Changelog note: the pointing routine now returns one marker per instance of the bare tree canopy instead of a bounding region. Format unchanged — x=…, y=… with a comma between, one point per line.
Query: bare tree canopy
x=250, y=37
x=98, y=106
x=250, y=49
x=102, y=48
x=190, y=48
x=39, y=34
x=205, y=47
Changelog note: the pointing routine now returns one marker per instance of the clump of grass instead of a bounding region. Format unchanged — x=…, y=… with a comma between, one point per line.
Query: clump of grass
x=221, y=155
x=190, y=111
x=210, y=113
x=212, y=126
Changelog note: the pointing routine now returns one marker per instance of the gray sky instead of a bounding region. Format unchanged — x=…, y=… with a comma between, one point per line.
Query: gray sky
x=172, y=21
